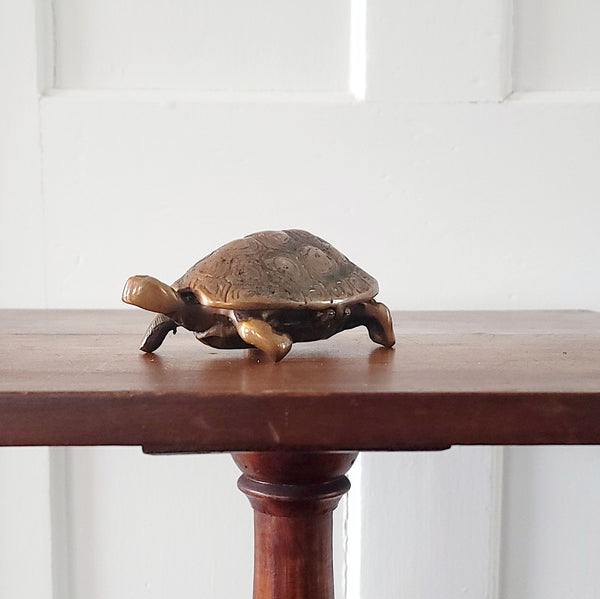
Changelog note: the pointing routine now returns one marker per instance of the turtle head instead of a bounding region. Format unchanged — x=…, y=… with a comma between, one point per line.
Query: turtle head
x=151, y=294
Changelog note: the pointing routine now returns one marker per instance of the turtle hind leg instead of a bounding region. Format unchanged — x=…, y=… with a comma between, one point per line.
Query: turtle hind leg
x=378, y=320
x=157, y=331
x=260, y=334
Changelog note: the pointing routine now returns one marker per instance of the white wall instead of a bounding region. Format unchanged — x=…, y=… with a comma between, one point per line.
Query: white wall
x=138, y=136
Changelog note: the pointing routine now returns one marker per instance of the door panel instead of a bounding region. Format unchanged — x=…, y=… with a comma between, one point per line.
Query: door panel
x=551, y=523
x=202, y=45
x=430, y=524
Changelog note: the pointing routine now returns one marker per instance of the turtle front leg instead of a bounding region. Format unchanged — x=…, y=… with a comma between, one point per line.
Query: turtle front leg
x=261, y=335
x=157, y=331
x=378, y=320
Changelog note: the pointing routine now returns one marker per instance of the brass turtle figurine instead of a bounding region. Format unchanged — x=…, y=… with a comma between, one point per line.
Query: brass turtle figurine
x=267, y=290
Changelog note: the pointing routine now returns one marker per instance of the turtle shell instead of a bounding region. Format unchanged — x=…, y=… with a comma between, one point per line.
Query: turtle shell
x=277, y=269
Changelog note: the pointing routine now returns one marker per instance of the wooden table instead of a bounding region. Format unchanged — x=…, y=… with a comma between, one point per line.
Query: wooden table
x=294, y=428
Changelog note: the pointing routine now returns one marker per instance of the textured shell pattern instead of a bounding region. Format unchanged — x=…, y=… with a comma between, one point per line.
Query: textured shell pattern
x=277, y=269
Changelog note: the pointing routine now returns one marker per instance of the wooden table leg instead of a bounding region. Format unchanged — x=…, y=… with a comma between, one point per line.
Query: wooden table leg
x=293, y=495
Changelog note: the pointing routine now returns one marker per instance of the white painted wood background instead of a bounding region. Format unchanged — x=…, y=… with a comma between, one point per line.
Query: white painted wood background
x=451, y=148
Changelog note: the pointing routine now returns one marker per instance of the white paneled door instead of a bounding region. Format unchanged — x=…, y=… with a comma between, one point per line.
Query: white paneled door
x=451, y=148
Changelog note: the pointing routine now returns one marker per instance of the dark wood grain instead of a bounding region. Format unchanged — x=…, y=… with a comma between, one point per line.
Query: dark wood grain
x=293, y=495
x=77, y=378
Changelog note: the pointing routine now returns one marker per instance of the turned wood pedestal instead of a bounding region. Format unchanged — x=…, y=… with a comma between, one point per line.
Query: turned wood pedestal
x=294, y=428
x=293, y=495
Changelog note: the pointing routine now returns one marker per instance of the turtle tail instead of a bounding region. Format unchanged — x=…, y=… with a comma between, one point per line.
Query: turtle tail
x=157, y=331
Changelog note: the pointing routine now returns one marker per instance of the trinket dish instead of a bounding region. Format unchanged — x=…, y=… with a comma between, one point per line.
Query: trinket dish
x=267, y=290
